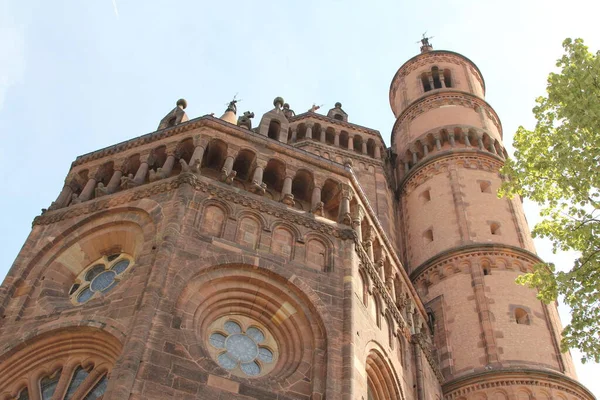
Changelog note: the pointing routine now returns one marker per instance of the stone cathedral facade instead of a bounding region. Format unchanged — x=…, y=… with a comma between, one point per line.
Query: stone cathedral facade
x=297, y=259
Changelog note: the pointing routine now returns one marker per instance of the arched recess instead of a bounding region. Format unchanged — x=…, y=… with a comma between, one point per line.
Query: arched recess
x=56, y=358
x=244, y=164
x=382, y=384
x=214, y=158
x=291, y=314
x=213, y=217
x=319, y=252
x=283, y=240
x=129, y=230
x=249, y=229
x=302, y=188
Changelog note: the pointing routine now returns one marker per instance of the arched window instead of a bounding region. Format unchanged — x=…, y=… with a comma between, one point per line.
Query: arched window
x=215, y=156
x=339, y=117
x=243, y=164
x=381, y=384
x=274, y=128
x=521, y=316
x=425, y=82
x=447, y=78
x=435, y=74
x=428, y=236
x=495, y=228
x=66, y=364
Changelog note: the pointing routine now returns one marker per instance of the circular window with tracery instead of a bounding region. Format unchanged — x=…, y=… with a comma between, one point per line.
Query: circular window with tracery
x=242, y=346
x=100, y=277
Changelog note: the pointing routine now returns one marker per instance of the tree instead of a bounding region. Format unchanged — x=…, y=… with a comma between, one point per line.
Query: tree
x=557, y=165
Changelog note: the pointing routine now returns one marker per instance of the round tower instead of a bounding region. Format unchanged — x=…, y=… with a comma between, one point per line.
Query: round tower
x=463, y=246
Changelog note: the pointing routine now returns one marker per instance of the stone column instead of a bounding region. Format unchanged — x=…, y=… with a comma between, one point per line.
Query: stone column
x=368, y=242
x=451, y=137
x=389, y=284
x=258, y=187
x=377, y=152
x=168, y=165
x=294, y=134
x=323, y=134
x=336, y=139
x=414, y=156
x=200, y=144
x=442, y=79
x=140, y=175
x=350, y=142
x=288, y=197
x=309, y=131
x=431, y=82
x=364, y=147
x=493, y=146
x=466, y=138
x=344, y=213
x=64, y=196
x=316, y=205
x=480, y=142
x=89, y=187
x=115, y=179
x=227, y=172
x=425, y=148
x=438, y=143
x=406, y=166
x=357, y=218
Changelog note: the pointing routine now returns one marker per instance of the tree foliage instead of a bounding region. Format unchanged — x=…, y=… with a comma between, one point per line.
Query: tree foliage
x=557, y=165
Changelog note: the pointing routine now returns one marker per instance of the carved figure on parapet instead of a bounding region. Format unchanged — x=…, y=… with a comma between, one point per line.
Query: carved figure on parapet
x=101, y=190
x=314, y=108
x=127, y=182
x=259, y=189
x=194, y=168
x=153, y=175
x=229, y=178
x=288, y=199
x=318, y=208
x=75, y=199
x=245, y=121
x=289, y=113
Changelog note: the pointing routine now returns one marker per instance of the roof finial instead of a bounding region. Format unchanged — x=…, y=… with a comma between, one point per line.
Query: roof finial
x=425, y=45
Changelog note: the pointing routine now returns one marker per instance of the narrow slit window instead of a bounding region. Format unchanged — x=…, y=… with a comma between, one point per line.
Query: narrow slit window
x=428, y=236
x=425, y=81
x=425, y=196
x=521, y=317
x=495, y=228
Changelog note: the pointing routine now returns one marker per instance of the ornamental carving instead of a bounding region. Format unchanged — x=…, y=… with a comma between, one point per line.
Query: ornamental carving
x=163, y=186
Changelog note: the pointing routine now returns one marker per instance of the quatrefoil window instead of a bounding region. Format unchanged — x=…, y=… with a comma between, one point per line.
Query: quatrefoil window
x=241, y=347
x=100, y=277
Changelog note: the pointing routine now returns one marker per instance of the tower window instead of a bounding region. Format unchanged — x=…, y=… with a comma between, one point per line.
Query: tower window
x=425, y=196
x=487, y=270
x=428, y=236
x=485, y=186
x=339, y=117
x=425, y=81
x=521, y=317
x=495, y=228
x=274, y=128
x=447, y=78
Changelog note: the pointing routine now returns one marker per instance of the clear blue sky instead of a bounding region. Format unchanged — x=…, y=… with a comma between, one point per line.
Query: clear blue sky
x=76, y=76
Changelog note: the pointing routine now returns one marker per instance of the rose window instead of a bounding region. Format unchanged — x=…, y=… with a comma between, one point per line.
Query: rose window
x=100, y=277
x=241, y=346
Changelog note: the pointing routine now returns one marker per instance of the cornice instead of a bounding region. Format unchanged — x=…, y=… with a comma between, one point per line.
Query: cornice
x=339, y=151
x=446, y=97
x=413, y=64
x=217, y=190
x=474, y=249
x=511, y=377
x=436, y=163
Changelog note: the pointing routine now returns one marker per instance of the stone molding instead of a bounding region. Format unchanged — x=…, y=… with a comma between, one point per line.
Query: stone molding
x=339, y=151
x=511, y=378
x=475, y=250
x=225, y=193
x=465, y=158
x=438, y=99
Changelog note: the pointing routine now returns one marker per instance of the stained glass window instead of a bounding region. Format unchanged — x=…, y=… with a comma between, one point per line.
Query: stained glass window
x=48, y=385
x=241, y=348
x=78, y=377
x=100, y=277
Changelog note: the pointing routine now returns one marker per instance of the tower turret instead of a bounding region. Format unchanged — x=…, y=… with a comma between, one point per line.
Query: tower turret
x=463, y=246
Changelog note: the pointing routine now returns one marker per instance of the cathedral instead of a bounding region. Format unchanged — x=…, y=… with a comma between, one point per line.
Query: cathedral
x=292, y=256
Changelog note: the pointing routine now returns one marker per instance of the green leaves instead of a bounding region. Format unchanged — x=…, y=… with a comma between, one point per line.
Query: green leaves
x=556, y=165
